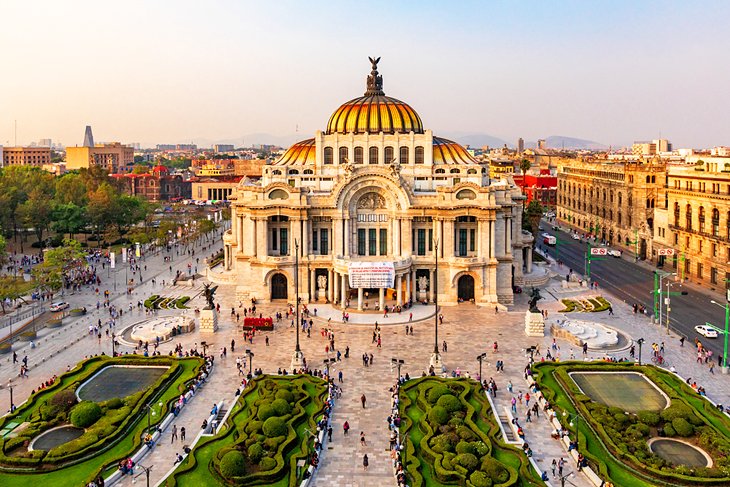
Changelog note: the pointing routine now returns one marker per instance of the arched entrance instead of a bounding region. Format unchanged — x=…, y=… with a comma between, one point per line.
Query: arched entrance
x=279, y=287
x=465, y=287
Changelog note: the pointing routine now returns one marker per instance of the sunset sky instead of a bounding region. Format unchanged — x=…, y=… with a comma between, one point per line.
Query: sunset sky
x=180, y=71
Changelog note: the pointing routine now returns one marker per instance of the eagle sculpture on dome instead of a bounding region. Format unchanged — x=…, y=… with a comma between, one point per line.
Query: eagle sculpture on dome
x=374, y=81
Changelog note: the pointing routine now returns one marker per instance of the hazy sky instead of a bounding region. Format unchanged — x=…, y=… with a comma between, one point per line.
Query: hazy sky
x=175, y=71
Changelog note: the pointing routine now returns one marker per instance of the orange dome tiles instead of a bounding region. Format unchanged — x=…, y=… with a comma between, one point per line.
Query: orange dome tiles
x=299, y=154
x=374, y=114
x=449, y=152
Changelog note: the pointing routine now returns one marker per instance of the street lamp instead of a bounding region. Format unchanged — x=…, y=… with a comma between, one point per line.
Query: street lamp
x=684, y=293
x=436, y=356
x=481, y=358
x=10, y=387
x=250, y=361
x=658, y=277
x=297, y=361
x=395, y=362
x=640, y=342
x=114, y=353
x=146, y=472
x=727, y=322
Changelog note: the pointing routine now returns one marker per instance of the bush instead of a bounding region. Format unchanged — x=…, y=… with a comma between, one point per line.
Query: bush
x=275, y=426
x=465, y=447
x=441, y=443
x=682, y=427
x=468, y=461
x=253, y=426
x=480, y=479
x=494, y=470
x=114, y=403
x=465, y=433
x=281, y=407
x=481, y=448
x=271, y=444
x=435, y=392
x=285, y=395
x=669, y=430
x=449, y=403
x=438, y=416
x=650, y=418
x=255, y=452
x=85, y=413
x=265, y=412
x=675, y=411
x=233, y=464
x=267, y=463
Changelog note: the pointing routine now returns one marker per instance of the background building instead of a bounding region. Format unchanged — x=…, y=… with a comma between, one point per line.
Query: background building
x=26, y=156
x=542, y=187
x=114, y=156
x=157, y=185
x=644, y=149
x=223, y=148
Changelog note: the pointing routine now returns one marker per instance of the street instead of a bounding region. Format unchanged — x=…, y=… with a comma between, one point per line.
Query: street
x=634, y=284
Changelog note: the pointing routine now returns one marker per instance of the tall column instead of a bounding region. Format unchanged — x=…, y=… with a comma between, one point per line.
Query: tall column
x=408, y=287
x=331, y=285
x=508, y=235
x=226, y=251
x=399, y=290
x=492, y=223
x=336, y=237
x=381, y=298
x=406, y=235
x=304, y=224
x=347, y=238
x=396, y=237
x=295, y=232
x=239, y=237
x=261, y=240
x=234, y=224
x=529, y=259
x=343, y=290
x=431, y=285
x=448, y=243
x=414, y=296
x=360, y=295
x=311, y=274
x=335, y=286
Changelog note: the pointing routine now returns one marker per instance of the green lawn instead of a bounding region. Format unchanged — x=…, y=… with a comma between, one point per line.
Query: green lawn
x=628, y=391
x=81, y=473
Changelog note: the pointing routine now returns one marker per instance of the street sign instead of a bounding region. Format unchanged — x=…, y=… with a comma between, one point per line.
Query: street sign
x=665, y=252
x=599, y=251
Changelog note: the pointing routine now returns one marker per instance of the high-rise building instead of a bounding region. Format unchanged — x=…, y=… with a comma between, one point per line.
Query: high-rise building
x=88, y=137
x=26, y=156
x=45, y=143
x=650, y=148
x=223, y=147
x=113, y=156
x=520, y=145
x=541, y=144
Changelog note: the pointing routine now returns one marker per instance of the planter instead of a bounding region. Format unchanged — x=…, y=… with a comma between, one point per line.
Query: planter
x=55, y=323
x=27, y=336
x=77, y=312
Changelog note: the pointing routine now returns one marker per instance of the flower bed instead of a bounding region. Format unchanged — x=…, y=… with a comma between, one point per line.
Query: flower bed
x=616, y=442
x=259, y=323
x=265, y=435
x=453, y=439
x=161, y=302
x=112, y=428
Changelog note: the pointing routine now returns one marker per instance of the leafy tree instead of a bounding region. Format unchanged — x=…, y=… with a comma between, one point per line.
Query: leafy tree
x=13, y=288
x=35, y=212
x=68, y=218
x=525, y=166
x=533, y=214
x=130, y=210
x=102, y=208
x=48, y=275
x=71, y=188
x=140, y=169
x=138, y=159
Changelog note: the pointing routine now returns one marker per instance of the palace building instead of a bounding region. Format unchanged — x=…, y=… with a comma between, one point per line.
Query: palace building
x=365, y=209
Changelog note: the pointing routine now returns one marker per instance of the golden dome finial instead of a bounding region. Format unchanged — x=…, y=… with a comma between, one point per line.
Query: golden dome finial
x=374, y=81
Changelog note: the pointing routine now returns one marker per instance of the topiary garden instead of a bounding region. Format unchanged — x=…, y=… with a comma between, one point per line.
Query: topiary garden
x=452, y=437
x=615, y=442
x=112, y=429
x=267, y=432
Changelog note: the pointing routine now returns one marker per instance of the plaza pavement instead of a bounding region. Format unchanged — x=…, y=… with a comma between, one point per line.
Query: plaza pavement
x=467, y=329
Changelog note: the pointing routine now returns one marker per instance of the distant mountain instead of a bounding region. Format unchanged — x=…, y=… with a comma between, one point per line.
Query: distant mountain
x=251, y=139
x=559, y=141
x=476, y=140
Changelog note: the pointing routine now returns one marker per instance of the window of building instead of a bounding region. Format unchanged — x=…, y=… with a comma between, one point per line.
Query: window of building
x=328, y=155
x=631, y=179
x=324, y=242
x=315, y=243
x=372, y=241
x=454, y=171
x=462, y=242
x=687, y=241
x=373, y=155
x=419, y=155
x=389, y=159
x=699, y=270
x=714, y=249
x=687, y=267
x=715, y=222
x=358, y=155
x=688, y=217
x=440, y=171
x=404, y=155
x=713, y=275
x=360, y=241
x=430, y=239
x=383, y=241
x=700, y=245
x=472, y=239
x=421, y=241
x=343, y=155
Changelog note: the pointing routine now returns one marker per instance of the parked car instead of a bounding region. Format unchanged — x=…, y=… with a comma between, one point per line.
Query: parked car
x=576, y=236
x=59, y=306
x=614, y=253
x=706, y=331
x=549, y=240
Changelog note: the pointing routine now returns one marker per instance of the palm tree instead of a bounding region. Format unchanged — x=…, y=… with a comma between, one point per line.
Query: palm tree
x=525, y=166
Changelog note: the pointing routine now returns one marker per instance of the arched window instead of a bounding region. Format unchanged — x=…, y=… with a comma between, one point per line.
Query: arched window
x=648, y=179
x=455, y=171
x=329, y=155
x=278, y=194
x=653, y=179
x=688, y=217
x=619, y=219
x=404, y=155
x=604, y=195
x=419, y=155
x=343, y=155
x=620, y=199
x=466, y=194
x=676, y=214
x=701, y=218
x=276, y=172
x=440, y=171
x=293, y=171
x=358, y=155
x=471, y=171
x=373, y=155
x=388, y=155
x=715, y=222
x=631, y=200
x=308, y=171
x=611, y=196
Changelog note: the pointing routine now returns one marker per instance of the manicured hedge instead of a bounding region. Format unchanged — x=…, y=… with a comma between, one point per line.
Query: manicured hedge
x=452, y=438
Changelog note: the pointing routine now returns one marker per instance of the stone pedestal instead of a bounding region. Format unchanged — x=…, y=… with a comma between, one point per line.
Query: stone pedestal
x=534, y=324
x=422, y=296
x=297, y=361
x=322, y=295
x=208, y=321
x=436, y=363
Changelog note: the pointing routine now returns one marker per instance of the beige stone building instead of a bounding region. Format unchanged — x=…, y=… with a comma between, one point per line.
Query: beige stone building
x=694, y=221
x=114, y=156
x=615, y=201
x=369, y=204
x=26, y=156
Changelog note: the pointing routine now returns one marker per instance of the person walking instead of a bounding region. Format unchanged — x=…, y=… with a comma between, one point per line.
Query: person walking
x=362, y=439
x=362, y=400
x=554, y=466
x=365, y=462
x=329, y=433
x=345, y=428
x=173, y=436
x=182, y=434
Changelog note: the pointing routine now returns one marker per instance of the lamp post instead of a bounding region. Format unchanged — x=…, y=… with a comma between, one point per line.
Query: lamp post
x=146, y=471
x=724, y=353
x=640, y=342
x=10, y=387
x=667, y=300
x=297, y=361
x=658, y=277
x=114, y=353
x=481, y=358
x=250, y=361
x=395, y=362
x=436, y=356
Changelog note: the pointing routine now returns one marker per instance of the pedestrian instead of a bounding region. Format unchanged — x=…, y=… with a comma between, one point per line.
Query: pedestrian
x=267, y=340
x=496, y=310
x=329, y=433
x=681, y=342
x=362, y=439
x=610, y=311
x=339, y=376
x=554, y=466
x=363, y=399
x=444, y=347
x=233, y=346
x=182, y=434
x=173, y=437
x=561, y=464
x=365, y=462
x=345, y=428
